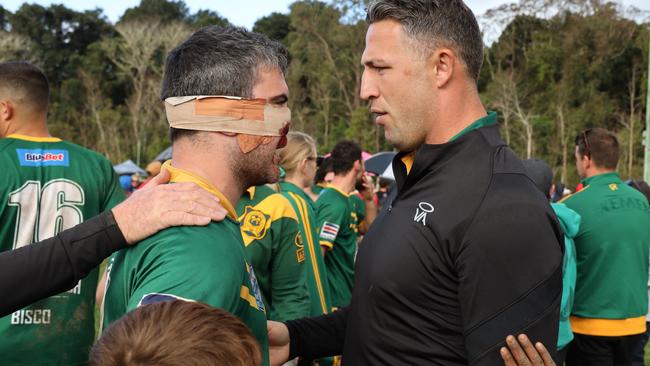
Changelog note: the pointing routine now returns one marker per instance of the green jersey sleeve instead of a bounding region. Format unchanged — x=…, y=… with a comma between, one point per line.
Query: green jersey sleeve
x=332, y=217
x=272, y=238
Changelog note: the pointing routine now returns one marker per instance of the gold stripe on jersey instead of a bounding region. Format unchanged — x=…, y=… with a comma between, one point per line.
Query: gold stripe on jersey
x=302, y=207
x=573, y=194
x=326, y=244
x=245, y=294
x=270, y=209
x=608, y=327
x=338, y=190
x=33, y=139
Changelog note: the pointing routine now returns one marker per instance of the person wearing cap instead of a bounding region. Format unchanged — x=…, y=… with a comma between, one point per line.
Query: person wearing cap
x=226, y=102
x=542, y=175
x=611, y=299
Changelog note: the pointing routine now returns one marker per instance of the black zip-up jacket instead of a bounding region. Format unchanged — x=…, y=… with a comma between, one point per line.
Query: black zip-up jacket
x=467, y=252
x=56, y=264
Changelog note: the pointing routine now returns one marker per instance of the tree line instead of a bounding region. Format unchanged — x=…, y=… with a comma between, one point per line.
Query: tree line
x=556, y=68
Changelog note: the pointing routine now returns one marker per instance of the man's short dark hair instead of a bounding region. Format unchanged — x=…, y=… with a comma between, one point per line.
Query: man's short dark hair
x=343, y=156
x=25, y=83
x=218, y=60
x=435, y=24
x=600, y=145
x=323, y=168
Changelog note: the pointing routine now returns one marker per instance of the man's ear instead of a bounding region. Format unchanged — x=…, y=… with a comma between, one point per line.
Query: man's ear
x=442, y=66
x=357, y=165
x=6, y=110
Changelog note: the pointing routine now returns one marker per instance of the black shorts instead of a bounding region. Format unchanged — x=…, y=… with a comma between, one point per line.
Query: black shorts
x=587, y=350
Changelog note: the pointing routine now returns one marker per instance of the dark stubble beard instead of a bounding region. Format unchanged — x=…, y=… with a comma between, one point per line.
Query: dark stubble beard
x=255, y=168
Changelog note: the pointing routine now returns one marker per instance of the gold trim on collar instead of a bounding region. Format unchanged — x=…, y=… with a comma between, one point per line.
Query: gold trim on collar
x=33, y=138
x=180, y=175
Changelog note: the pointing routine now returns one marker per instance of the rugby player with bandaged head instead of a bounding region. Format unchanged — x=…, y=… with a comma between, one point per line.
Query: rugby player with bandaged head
x=226, y=103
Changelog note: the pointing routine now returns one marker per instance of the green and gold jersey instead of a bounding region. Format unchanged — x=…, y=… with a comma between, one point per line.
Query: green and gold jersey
x=317, y=188
x=49, y=185
x=194, y=263
x=614, y=239
x=358, y=210
x=337, y=232
x=269, y=227
x=316, y=272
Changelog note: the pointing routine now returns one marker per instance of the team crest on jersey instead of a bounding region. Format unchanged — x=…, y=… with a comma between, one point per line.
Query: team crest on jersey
x=43, y=157
x=300, y=252
x=254, y=222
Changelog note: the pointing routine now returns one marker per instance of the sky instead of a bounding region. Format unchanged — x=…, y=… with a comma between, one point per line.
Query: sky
x=239, y=12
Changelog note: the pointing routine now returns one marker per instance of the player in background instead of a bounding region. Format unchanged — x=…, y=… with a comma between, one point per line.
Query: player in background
x=48, y=185
x=269, y=227
x=337, y=223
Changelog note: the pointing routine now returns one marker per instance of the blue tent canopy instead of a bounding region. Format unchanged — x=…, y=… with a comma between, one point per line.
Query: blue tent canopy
x=128, y=167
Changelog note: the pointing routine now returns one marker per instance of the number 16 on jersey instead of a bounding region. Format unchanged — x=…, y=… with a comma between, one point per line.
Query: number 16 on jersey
x=44, y=211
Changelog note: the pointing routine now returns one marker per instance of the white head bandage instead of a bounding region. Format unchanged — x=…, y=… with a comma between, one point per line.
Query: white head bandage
x=227, y=114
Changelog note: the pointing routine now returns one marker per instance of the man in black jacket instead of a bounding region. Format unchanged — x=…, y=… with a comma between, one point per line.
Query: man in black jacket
x=467, y=251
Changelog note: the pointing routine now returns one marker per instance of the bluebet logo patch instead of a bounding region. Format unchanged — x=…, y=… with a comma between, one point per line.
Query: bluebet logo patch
x=42, y=157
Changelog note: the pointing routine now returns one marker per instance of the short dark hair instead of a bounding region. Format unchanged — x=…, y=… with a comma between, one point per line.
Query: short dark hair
x=26, y=83
x=324, y=167
x=435, y=24
x=176, y=333
x=218, y=60
x=343, y=156
x=600, y=145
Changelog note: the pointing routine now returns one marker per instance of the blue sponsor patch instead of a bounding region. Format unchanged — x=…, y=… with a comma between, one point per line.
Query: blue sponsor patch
x=43, y=157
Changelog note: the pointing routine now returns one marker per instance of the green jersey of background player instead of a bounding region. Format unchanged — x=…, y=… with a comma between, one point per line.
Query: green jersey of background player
x=269, y=227
x=225, y=98
x=49, y=185
x=337, y=222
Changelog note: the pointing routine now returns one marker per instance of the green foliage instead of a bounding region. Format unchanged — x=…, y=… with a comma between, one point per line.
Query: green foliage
x=274, y=26
x=565, y=74
x=3, y=17
x=163, y=10
x=548, y=78
x=204, y=18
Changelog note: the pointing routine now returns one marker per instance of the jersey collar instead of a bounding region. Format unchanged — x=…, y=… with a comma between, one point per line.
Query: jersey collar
x=180, y=175
x=607, y=178
x=33, y=139
x=290, y=187
x=331, y=186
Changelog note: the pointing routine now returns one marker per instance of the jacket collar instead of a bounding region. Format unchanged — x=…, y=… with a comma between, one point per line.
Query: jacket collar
x=431, y=157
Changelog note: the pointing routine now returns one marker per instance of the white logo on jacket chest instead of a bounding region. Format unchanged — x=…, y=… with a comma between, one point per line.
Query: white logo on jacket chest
x=421, y=212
